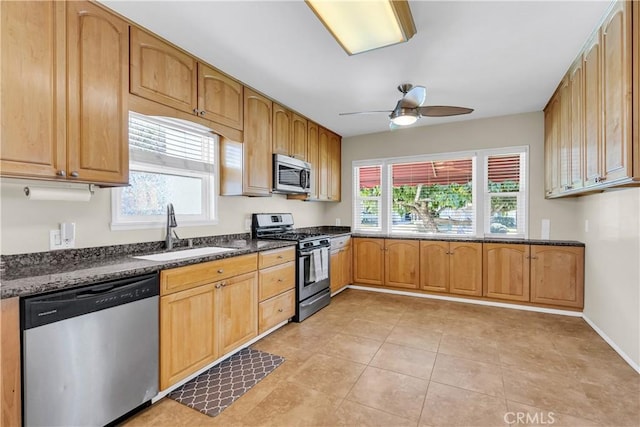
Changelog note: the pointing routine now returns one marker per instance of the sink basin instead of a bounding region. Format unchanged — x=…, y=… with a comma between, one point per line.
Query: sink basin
x=187, y=253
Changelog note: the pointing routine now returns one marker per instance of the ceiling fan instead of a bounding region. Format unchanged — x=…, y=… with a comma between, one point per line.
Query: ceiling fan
x=409, y=109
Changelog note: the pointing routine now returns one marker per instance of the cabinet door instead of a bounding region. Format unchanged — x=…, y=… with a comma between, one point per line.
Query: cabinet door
x=506, y=271
x=187, y=333
x=336, y=270
x=220, y=98
x=368, y=261
x=401, y=263
x=298, y=137
x=552, y=147
x=97, y=83
x=257, y=144
x=564, y=136
x=465, y=268
x=577, y=126
x=281, y=130
x=237, y=311
x=346, y=256
x=334, y=167
x=313, y=158
x=162, y=73
x=276, y=310
x=277, y=279
x=616, y=92
x=557, y=275
x=592, y=112
x=434, y=266
x=32, y=82
x=324, y=164
x=10, y=361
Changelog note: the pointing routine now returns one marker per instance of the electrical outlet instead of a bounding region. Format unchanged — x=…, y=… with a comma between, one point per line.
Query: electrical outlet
x=338, y=222
x=55, y=242
x=63, y=238
x=247, y=225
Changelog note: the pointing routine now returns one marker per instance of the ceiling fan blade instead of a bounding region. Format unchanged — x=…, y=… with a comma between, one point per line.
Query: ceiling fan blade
x=443, y=111
x=415, y=97
x=365, y=112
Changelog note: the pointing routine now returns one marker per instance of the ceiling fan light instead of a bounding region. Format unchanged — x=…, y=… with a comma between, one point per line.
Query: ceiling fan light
x=360, y=26
x=404, y=120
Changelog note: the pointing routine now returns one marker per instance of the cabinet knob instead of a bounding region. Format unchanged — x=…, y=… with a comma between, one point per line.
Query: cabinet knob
x=196, y=111
x=279, y=256
x=218, y=286
x=220, y=271
x=279, y=280
x=202, y=112
x=74, y=174
x=280, y=310
x=534, y=257
x=61, y=173
x=600, y=178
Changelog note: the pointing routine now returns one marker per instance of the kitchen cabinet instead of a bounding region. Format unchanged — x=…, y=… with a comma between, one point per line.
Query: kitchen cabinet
x=402, y=263
x=257, y=170
x=453, y=267
x=324, y=164
x=334, y=167
x=434, y=266
x=237, y=314
x=65, y=76
x=506, y=271
x=281, y=143
x=589, y=121
x=277, y=281
x=206, y=310
x=341, y=263
x=557, y=275
x=11, y=412
x=167, y=75
x=299, y=127
x=313, y=157
x=368, y=261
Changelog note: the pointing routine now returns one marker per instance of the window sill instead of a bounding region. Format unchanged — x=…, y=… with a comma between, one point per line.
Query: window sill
x=157, y=225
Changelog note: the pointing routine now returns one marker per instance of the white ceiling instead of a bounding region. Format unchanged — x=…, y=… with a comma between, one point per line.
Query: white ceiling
x=498, y=57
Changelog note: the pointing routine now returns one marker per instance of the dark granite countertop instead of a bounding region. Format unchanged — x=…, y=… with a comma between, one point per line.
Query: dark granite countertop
x=329, y=230
x=30, y=274
x=472, y=239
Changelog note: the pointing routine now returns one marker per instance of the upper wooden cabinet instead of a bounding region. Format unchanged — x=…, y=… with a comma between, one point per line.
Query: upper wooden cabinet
x=329, y=163
x=299, y=129
x=506, y=271
x=220, y=98
x=589, y=138
x=64, y=92
x=165, y=74
x=281, y=142
x=313, y=157
x=334, y=167
x=257, y=169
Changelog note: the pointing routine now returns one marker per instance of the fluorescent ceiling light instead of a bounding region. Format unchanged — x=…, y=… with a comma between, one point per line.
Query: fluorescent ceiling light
x=363, y=25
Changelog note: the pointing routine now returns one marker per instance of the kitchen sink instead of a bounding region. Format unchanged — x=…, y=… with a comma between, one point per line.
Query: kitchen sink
x=187, y=253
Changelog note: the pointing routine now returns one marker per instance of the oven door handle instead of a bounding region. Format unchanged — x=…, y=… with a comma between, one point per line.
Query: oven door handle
x=310, y=251
x=315, y=300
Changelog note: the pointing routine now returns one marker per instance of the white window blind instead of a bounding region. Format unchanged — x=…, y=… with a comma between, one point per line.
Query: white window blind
x=367, y=210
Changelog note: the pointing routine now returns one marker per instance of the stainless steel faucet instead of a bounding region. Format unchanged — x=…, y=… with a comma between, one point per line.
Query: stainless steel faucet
x=171, y=224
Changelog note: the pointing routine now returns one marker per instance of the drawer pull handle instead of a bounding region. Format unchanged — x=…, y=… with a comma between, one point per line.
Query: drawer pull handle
x=220, y=271
x=280, y=310
x=279, y=256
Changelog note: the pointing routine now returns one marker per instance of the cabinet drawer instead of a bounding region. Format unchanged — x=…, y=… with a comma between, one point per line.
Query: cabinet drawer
x=276, y=256
x=340, y=242
x=276, y=310
x=277, y=279
x=177, y=279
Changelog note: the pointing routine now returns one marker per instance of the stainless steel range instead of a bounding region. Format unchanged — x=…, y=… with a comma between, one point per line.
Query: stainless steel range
x=312, y=270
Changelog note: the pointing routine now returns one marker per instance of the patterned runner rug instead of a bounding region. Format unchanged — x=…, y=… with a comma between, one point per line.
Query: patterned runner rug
x=214, y=390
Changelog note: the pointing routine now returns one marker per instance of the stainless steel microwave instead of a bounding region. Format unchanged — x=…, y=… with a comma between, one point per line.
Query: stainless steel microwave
x=291, y=176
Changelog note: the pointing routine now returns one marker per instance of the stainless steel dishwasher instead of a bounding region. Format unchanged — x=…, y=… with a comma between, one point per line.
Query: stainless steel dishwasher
x=90, y=354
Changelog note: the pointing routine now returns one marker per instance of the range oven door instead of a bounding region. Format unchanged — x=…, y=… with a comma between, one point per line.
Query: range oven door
x=307, y=283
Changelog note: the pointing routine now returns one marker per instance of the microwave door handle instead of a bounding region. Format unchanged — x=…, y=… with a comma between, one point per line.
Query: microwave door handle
x=303, y=179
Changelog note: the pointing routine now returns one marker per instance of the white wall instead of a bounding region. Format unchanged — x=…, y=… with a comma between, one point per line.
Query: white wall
x=612, y=265
x=25, y=224
x=506, y=131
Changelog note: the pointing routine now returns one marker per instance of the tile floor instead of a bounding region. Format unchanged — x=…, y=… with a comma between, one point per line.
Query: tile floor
x=372, y=359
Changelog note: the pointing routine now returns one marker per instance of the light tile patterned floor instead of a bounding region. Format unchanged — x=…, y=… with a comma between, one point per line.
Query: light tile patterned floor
x=372, y=359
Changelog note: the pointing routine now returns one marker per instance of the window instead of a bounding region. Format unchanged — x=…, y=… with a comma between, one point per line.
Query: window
x=440, y=194
x=171, y=161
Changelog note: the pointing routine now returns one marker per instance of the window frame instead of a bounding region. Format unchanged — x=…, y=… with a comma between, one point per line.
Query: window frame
x=209, y=192
x=479, y=191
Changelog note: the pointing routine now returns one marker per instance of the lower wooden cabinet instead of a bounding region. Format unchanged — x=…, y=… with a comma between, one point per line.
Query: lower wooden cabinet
x=506, y=271
x=368, y=261
x=10, y=414
x=276, y=309
x=277, y=282
x=557, y=275
x=200, y=324
x=401, y=263
x=465, y=268
x=341, y=264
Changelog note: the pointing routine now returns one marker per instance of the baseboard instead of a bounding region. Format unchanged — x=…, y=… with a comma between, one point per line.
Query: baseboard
x=471, y=301
x=613, y=345
x=168, y=390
